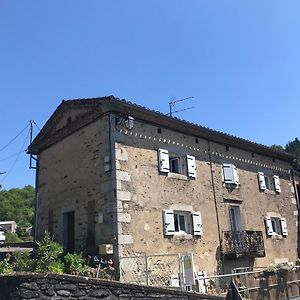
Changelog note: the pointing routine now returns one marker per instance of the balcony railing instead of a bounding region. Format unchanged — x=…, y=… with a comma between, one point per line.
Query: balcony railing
x=240, y=243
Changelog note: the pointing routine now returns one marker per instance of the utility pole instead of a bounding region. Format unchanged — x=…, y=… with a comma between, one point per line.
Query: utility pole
x=31, y=157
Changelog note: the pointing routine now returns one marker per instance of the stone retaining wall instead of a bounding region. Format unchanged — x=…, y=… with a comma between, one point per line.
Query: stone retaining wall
x=56, y=287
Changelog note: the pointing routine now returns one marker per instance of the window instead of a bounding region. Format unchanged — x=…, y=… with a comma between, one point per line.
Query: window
x=276, y=226
x=235, y=218
x=182, y=222
x=269, y=182
x=230, y=174
x=174, y=163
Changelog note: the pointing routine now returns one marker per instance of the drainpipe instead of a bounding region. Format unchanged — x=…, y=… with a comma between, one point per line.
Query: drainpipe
x=36, y=204
x=216, y=206
x=298, y=208
x=113, y=175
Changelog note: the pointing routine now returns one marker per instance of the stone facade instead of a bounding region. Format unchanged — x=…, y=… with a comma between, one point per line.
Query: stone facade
x=108, y=174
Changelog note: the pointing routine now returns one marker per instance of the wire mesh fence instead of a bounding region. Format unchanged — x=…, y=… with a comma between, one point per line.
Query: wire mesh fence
x=155, y=270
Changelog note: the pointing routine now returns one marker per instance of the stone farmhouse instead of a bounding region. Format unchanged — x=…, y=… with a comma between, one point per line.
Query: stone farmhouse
x=115, y=177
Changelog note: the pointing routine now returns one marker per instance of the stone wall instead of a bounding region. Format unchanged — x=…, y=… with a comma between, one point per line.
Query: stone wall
x=56, y=287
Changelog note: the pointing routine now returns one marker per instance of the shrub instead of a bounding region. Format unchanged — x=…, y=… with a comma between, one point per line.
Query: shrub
x=46, y=254
x=23, y=262
x=5, y=267
x=74, y=264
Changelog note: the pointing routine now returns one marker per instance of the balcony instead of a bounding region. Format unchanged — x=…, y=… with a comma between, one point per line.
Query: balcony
x=241, y=243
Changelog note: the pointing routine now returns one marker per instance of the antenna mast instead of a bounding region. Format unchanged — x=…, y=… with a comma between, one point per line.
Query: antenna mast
x=31, y=157
x=173, y=103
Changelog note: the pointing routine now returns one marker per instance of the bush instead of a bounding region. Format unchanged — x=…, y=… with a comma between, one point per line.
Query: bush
x=12, y=238
x=5, y=267
x=47, y=255
x=74, y=264
x=23, y=262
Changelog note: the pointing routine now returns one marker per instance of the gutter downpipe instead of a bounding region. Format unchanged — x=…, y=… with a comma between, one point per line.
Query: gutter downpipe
x=36, y=204
x=298, y=208
x=216, y=208
x=113, y=174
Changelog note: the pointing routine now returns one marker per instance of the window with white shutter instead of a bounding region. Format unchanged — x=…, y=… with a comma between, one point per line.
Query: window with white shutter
x=164, y=164
x=191, y=166
x=269, y=227
x=261, y=181
x=230, y=173
x=277, y=184
x=169, y=227
x=284, y=227
x=197, y=223
x=182, y=222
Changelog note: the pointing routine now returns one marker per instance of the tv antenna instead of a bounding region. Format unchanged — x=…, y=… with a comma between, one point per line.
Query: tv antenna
x=172, y=105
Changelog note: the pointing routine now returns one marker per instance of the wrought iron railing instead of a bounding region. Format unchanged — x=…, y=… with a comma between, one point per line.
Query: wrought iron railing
x=243, y=243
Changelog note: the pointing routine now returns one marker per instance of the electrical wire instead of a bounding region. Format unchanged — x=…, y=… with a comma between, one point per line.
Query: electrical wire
x=15, y=161
x=13, y=155
x=4, y=147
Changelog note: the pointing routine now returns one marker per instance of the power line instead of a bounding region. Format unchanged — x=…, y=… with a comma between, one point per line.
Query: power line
x=15, y=161
x=4, y=147
x=13, y=155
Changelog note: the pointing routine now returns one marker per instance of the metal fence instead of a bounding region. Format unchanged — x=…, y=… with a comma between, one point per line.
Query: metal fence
x=156, y=270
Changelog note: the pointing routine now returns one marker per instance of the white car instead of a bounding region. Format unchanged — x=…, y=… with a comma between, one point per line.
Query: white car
x=2, y=237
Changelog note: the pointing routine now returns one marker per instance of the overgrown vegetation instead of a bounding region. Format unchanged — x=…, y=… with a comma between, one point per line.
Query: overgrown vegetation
x=50, y=258
x=18, y=205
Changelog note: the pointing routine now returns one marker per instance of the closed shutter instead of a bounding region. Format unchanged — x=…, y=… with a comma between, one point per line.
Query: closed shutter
x=191, y=164
x=163, y=157
x=261, y=181
x=284, y=227
x=269, y=227
x=197, y=223
x=169, y=227
x=277, y=183
x=230, y=174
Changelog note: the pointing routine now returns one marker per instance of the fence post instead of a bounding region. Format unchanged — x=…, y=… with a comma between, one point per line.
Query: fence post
x=146, y=267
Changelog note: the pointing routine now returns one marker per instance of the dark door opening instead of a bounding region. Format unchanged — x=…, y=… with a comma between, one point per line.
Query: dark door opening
x=69, y=231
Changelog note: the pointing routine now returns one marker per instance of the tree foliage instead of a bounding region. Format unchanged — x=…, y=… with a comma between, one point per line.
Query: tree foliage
x=17, y=205
x=293, y=147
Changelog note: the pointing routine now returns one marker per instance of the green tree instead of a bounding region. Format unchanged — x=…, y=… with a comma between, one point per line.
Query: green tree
x=293, y=147
x=277, y=147
x=17, y=205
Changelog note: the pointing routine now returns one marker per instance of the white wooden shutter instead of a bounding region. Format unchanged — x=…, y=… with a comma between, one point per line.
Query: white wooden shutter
x=230, y=174
x=188, y=268
x=284, y=227
x=191, y=164
x=197, y=223
x=175, y=280
x=277, y=183
x=169, y=226
x=269, y=227
x=164, y=164
x=261, y=181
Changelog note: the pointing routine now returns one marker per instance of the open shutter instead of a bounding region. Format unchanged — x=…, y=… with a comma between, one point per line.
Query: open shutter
x=284, y=227
x=261, y=181
x=197, y=223
x=169, y=227
x=191, y=164
x=269, y=227
x=230, y=174
x=277, y=183
x=164, y=164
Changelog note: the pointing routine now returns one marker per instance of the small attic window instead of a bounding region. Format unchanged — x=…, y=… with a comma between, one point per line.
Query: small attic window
x=158, y=130
x=69, y=120
x=196, y=140
x=227, y=148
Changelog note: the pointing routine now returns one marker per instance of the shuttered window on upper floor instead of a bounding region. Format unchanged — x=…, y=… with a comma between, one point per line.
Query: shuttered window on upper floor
x=230, y=174
x=175, y=163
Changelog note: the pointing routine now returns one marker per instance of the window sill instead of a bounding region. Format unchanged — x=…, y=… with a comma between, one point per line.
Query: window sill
x=182, y=236
x=177, y=176
x=270, y=192
x=276, y=237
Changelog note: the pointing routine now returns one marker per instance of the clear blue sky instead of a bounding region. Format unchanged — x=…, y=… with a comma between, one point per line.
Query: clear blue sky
x=239, y=59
